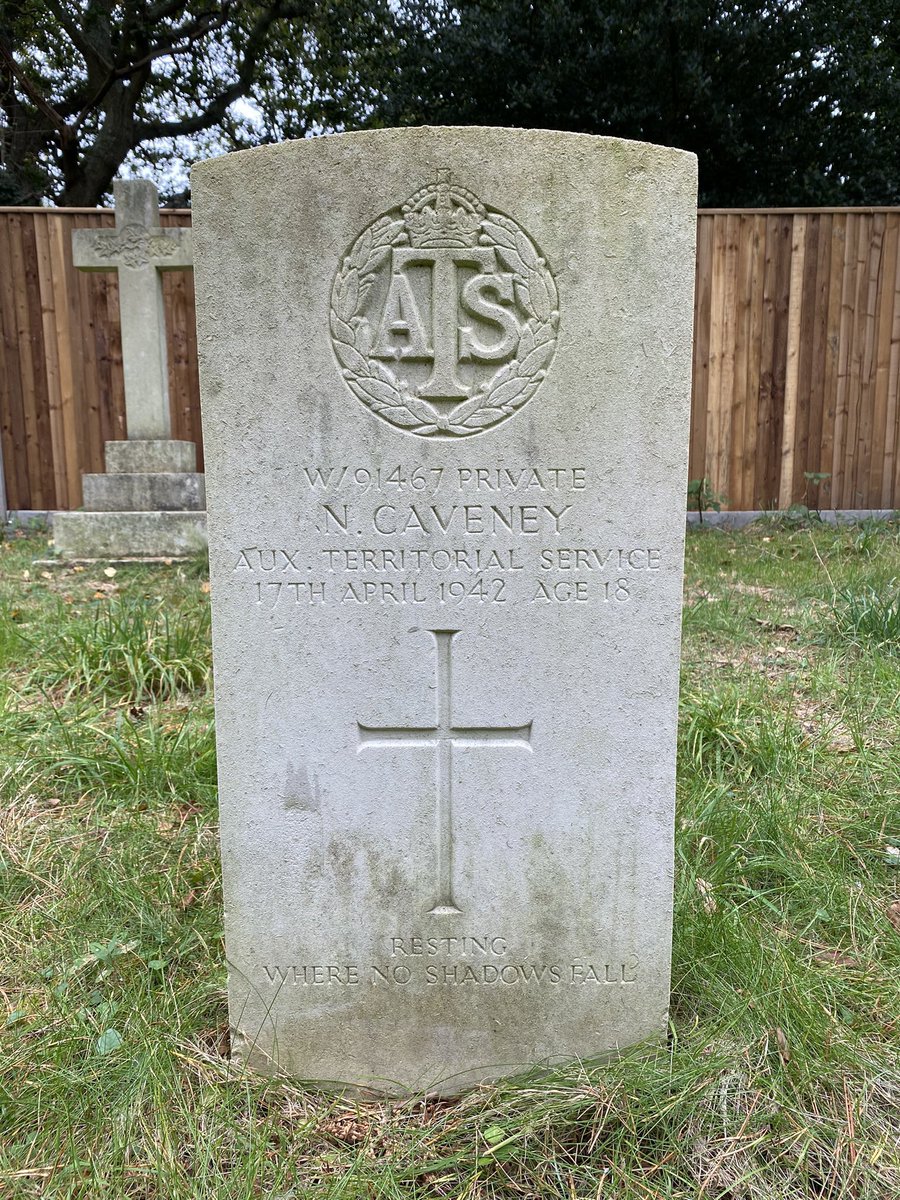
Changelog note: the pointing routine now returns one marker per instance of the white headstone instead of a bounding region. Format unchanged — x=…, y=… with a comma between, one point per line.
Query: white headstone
x=139, y=249
x=445, y=378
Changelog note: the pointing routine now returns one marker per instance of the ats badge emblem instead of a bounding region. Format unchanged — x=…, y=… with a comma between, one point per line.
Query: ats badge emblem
x=444, y=315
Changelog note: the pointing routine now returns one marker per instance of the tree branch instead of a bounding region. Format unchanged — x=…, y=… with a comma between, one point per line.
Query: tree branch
x=32, y=92
x=74, y=29
x=216, y=109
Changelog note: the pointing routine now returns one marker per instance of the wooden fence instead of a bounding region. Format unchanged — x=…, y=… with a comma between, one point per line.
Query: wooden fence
x=796, y=357
x=61, y=388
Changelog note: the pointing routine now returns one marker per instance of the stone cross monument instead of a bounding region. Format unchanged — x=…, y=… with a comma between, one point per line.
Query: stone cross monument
x=445, y=386
x=150, y=501
x=139, y=249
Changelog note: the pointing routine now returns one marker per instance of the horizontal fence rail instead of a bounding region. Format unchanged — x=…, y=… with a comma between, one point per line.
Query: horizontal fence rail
x=796, y=357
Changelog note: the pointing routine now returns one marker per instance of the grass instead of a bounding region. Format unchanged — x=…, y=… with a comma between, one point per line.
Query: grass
x=780, y=1078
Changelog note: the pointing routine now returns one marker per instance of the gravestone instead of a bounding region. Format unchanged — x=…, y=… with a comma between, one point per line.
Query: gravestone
x=150, y=502
x=445, y=383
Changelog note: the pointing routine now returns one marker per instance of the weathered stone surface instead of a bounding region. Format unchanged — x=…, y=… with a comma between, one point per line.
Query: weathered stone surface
x=128, y=534
x=163, y=454
x=142, y=493
x=138, y=249
x=445, y=382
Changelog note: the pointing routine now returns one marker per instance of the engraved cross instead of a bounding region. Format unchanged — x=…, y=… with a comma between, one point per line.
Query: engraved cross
x=444, y=736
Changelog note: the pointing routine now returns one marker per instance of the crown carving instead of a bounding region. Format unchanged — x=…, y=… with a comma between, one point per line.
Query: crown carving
x=443, y=215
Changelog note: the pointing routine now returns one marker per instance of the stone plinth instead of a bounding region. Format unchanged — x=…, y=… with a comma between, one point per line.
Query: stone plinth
x=134, y=492
x=150, y=504
x=87, y=535
x=150, y=455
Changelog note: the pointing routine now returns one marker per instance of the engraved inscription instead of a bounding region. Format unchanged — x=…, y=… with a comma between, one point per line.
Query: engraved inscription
x=588, y=972
x=444, y=736
x=462, y=536
x=444, y=315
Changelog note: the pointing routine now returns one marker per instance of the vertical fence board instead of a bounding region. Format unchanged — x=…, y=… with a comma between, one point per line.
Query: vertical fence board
x=12, y=422
x=890, y=478
x=832, y=355
x=716, y=350
x=792, y=363
x=702, y=319
x=889, y=497
x=884, y=302
x=38, y=357
x=24, y=338
x=70, y=374
x=799, y=486
x=51, y=350
x=842, y=381
x=742, y=302
x=819, y=354
x=757, y=234
x=868, y=449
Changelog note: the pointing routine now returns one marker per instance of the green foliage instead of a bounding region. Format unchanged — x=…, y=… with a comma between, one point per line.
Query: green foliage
x=779, y=1079
x=868, y=616
x=131, y=650
x=701, y=498
x=784, y=103
x=722, y=734
x=816, y=481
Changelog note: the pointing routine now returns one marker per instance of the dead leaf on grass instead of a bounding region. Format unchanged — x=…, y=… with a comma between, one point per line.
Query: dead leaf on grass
x=696, y=594
x=784, y=1050
x=727, y=660
x=893, y=914
x=775, y=627
x=752, y=589
x=706, y=893
x=835, y=958
x=345, y=1127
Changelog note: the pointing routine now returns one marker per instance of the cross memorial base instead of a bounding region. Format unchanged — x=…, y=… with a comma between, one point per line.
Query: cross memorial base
x=150, y=504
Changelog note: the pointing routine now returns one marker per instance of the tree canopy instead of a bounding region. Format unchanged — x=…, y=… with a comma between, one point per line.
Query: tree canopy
x=84, y=84
x=786, y=102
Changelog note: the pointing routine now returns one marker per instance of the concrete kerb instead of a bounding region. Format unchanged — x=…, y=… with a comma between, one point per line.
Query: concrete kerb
x=831, y=516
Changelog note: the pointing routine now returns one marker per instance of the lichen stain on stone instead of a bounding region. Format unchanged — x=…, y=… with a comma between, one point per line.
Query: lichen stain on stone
x=301, y=790
x=340, y=854
x=385, y=876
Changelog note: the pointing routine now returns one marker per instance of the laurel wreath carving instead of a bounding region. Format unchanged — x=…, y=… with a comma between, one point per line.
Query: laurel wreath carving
x=513, y=385
x=134, y=244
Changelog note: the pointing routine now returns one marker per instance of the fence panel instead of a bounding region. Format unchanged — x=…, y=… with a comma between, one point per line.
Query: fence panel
x=61, y=384
x=796, y=357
